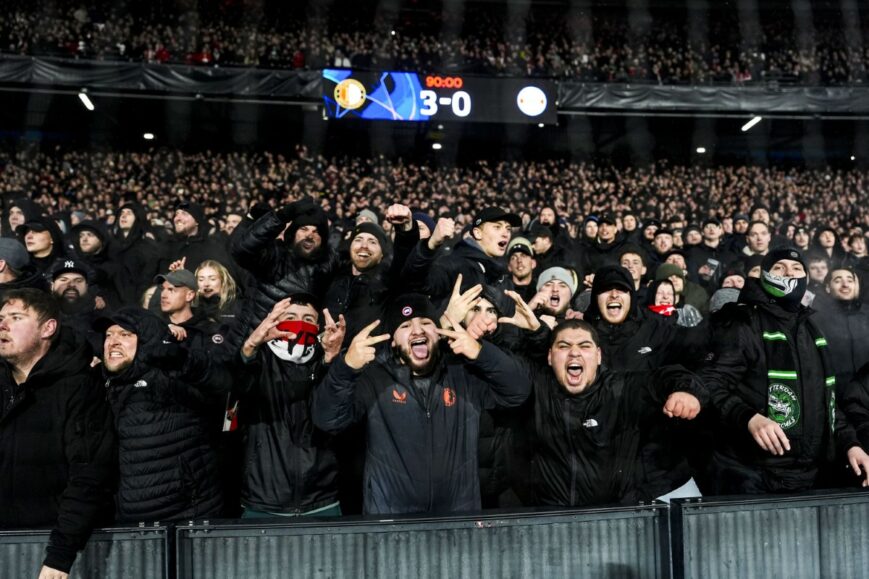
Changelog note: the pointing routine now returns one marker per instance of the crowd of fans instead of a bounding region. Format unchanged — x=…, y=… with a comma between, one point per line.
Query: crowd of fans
x=550, y=41
x=266, y=335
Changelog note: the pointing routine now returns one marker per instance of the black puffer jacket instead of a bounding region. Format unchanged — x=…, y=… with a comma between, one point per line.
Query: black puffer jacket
x=164, y=418
x=586, y=444
x=57, y=449
x=276, y=270
x=422, y=450
x=289, y=465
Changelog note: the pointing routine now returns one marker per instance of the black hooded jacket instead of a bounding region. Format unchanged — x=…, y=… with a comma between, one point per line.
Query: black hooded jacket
x=30, y=209
x=58, y=247
x=57, y=449
x=164, y=407
x=845, y=325
x=136, y=257
x=277, y=271
x=106, y=280
x=421, y=454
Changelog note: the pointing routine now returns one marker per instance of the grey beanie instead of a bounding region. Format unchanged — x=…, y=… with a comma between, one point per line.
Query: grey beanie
x=723, y=297
x=560, y=274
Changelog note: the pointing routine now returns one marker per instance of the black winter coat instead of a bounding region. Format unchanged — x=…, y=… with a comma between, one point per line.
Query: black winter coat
x=289, y=465
x=736, y=374
x=845, y=324
x=165, y=423
x=277, y=272
x=136, y=258
x=586, y=444
x=422, y=451
x=362, y=298
x=57, y=449
x=440, y=275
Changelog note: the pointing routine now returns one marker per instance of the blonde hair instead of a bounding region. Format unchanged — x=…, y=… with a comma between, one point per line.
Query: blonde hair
x=228, y=288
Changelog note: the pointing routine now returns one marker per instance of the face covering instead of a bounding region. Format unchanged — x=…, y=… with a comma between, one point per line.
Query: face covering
x=787, y=291
x=664, y=309
x=299, y=350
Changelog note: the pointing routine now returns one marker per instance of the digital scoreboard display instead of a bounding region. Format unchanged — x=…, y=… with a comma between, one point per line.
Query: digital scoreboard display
x=411, y=96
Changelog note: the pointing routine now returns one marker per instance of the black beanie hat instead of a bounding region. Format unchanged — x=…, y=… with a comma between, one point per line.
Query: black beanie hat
x=776, y=255
x=371, y=229
x=406, y=307
x=194, y=209
x=609, y=277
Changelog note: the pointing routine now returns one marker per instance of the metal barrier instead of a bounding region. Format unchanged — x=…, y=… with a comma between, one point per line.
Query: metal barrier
x=607, y=542
x=795, y=536
x=113, y=553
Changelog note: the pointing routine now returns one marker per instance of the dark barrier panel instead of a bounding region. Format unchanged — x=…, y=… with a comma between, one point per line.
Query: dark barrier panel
x=613, y=542
x=306, y=86
x=808, y=536
x=116, y=553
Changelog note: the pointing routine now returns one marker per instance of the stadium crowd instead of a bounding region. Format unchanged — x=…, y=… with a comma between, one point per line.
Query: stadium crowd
x=259, y=335
x=602, y=46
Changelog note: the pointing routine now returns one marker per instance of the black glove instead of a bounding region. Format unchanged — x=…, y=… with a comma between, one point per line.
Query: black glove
x=171, y=356
x=258, y=210
x=304, y=205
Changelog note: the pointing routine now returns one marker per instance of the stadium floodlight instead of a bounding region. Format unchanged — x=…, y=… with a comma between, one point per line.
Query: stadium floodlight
x=853, y=158
x=437, y=146
x=148, y=136
x=701, y=150
x=86, y=101
x=541, y=125
x=747, y=126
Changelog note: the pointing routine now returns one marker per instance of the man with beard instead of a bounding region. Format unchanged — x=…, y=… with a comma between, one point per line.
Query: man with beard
x=362, y=287
x=421, y=408
x=193, y=244
x=299, y=263
x=78, y=306
x=772, y=380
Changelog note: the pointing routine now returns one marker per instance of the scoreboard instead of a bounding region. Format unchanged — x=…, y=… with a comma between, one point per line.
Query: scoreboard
x=411, y=96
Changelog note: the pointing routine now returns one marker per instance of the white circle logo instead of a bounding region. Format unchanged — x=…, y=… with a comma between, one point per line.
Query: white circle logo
x=406, y=311
x=531, y=101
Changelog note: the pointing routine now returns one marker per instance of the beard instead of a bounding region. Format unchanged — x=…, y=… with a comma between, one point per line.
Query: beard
x=420, y=368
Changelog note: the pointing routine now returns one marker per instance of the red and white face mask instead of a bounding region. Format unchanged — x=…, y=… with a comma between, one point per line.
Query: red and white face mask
x=301, y=349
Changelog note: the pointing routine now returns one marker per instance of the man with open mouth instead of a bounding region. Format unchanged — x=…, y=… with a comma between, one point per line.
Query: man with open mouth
x=421, y=407
x=587, y=419
x=479, y=258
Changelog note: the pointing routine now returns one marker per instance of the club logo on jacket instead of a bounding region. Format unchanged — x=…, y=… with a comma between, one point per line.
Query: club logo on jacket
x=590, y=423
x=140, y=384
x=399, y=396
x=784, y=407
x=449, y=397
x=644, y=350
x=217, y=339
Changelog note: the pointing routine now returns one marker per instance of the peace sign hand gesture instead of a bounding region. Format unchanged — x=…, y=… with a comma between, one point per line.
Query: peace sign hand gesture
x=361, y=350
x=461, y=342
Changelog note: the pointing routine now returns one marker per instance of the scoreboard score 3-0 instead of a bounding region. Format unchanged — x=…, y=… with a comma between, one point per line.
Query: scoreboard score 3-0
x=411, y=96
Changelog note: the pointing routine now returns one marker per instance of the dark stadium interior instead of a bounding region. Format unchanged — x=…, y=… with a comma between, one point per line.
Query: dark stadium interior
x=434, y=288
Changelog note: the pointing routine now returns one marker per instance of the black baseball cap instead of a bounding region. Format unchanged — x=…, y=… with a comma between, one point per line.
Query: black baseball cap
x=490, y=214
